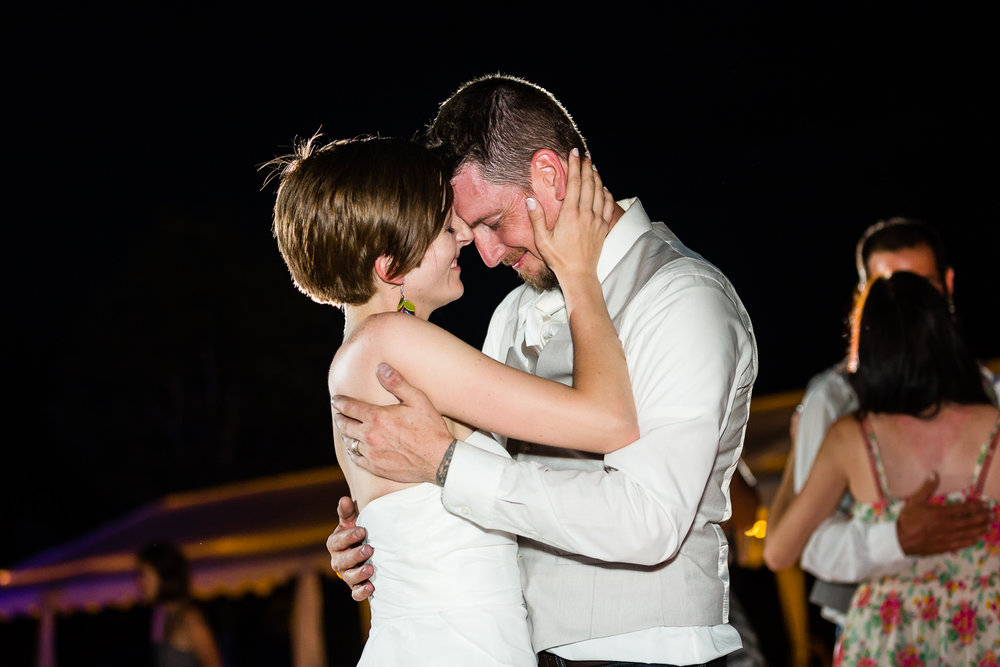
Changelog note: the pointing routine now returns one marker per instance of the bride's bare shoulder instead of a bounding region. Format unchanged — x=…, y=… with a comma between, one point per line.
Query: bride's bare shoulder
x=385, y=328
x=373, y=341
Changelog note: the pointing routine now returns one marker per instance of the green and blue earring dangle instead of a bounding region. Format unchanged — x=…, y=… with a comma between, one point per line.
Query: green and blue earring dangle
x=404, y=306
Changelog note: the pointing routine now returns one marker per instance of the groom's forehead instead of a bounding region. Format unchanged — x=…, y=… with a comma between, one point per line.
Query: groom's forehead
x=477, y=202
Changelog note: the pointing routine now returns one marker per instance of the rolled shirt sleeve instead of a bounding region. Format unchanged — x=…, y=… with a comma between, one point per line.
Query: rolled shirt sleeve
x=847, y=551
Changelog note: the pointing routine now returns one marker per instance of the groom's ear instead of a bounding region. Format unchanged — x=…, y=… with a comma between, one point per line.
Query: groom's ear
x=548, y=174
x=382, y=264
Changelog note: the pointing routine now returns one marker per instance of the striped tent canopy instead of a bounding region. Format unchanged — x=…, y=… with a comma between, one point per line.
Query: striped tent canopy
x=244, y=537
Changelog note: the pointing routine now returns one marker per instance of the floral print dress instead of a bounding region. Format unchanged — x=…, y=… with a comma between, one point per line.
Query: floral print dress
x=940, y=610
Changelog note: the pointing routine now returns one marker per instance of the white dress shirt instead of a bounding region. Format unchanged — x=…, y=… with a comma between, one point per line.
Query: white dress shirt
x=656, y=503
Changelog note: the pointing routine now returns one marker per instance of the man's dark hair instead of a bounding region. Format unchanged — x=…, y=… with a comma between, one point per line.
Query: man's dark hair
x=497, y=123
x=908, y=354
x=896, y=234
x=171, y=569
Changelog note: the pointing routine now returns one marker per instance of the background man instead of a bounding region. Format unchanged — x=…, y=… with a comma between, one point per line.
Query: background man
x=623, y=558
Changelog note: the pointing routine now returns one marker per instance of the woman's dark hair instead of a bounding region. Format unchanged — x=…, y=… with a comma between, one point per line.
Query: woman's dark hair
x=907, y=355
x=171, y=568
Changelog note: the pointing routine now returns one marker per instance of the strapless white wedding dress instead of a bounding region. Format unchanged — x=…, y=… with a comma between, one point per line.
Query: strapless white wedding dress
x=447, y=592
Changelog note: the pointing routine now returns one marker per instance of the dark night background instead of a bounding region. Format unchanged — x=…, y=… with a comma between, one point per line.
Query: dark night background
x=154, y=342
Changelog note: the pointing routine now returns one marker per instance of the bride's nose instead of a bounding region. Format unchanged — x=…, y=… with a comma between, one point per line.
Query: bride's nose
x=463, y=233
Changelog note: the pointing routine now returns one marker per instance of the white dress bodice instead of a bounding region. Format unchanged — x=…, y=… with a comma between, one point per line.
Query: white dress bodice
x=447, y=592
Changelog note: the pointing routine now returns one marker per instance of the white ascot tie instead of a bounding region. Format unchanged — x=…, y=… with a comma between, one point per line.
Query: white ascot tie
x=542, y=318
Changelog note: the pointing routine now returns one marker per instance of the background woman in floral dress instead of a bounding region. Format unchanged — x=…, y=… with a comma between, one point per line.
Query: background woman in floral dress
x=924, y=411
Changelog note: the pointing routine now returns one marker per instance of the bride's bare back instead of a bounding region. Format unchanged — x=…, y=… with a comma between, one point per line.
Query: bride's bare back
x=353, y=373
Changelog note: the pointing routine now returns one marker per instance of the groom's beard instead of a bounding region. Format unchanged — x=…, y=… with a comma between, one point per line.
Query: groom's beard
x=541, y=279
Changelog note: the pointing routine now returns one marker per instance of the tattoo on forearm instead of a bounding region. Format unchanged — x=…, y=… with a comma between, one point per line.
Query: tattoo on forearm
x=442, y=472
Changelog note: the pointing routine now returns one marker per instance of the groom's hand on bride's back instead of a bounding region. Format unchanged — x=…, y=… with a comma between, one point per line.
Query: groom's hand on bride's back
x=406, y=442
x=348, y=555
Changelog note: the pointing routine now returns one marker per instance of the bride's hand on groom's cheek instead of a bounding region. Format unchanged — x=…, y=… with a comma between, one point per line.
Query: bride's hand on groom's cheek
x=348, y=555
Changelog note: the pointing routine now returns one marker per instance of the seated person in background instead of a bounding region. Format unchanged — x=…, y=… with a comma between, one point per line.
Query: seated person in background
x=923, y=412
x=845, y=553
x=181, y=636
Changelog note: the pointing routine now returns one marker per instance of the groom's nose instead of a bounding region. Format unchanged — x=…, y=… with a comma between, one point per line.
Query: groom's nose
x=489, y=246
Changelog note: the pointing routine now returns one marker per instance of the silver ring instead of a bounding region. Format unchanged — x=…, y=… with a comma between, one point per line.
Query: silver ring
x=354, y=448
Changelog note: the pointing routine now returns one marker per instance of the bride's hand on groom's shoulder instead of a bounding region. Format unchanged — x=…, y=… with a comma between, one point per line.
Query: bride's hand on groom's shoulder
x=348, y=555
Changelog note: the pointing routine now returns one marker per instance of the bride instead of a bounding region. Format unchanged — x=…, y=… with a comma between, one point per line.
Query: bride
x=367, y=225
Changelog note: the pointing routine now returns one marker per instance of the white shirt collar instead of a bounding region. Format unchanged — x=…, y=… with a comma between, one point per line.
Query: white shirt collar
x=633, y=224
x=534, y=315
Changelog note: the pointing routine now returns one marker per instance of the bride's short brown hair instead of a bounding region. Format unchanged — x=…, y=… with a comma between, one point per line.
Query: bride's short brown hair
x=343, y=204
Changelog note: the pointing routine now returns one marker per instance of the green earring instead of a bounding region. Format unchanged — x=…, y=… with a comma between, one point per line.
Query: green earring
x=405, y=306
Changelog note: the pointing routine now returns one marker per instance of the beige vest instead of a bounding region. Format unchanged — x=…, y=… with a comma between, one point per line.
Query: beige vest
x=571, y=598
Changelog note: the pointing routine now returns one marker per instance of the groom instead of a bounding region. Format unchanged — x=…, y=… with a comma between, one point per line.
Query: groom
x=622, y=557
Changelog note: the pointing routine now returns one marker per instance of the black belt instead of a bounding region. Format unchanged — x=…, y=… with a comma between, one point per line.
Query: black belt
x=546, y=659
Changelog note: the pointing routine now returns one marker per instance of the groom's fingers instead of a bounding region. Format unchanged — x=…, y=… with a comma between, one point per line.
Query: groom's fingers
x=347, y=512
x=358, y=577
x=349, y=564
x=346, y=550
x=371, y=425
x=349, y=427
x=348, y=555
x=396, y=384
x=362, y=591
x=351, y=409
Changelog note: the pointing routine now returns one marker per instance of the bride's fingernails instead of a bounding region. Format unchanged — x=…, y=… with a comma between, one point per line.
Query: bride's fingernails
x=576, y=152
x=593, y=166
x=531, y=203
